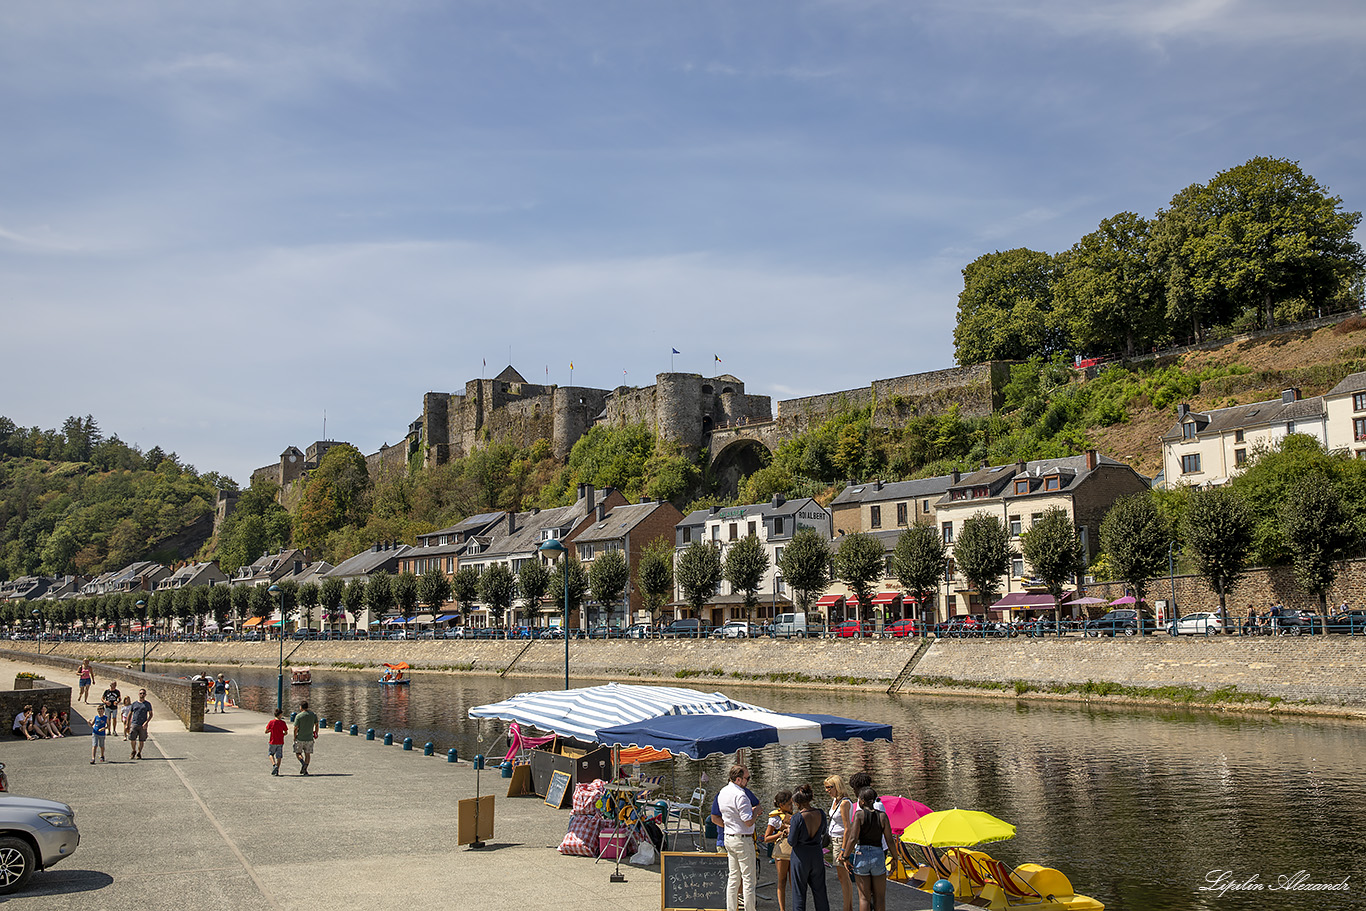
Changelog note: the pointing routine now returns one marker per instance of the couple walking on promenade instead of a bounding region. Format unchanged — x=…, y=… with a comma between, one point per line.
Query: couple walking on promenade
x=305, y=735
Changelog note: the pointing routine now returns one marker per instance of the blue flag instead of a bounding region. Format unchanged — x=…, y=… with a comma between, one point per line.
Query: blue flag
x=676, y=351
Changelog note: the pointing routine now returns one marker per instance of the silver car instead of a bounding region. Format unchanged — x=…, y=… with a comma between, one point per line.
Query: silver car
x=34, y=835
x=1204, y=623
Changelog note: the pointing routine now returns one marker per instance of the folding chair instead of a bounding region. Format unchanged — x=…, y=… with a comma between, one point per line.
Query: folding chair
x=689, y=817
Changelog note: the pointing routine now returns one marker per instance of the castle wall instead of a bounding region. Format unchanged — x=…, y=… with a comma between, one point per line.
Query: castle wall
x=574, y=409
x=388, y=460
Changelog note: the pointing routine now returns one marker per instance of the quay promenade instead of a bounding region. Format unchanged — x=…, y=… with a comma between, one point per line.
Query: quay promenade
x=200, y=823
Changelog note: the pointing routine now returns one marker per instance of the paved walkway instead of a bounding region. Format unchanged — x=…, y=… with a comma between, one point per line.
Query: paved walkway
x=200, y=823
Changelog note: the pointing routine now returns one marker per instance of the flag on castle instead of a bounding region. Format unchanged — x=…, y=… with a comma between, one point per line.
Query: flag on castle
x=718, y=358
x=676, y=351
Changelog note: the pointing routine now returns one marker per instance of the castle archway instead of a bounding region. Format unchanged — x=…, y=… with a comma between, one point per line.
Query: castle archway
x=737, y=461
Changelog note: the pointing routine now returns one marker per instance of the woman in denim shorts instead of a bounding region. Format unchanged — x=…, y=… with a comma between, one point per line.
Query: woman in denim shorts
x=864, y=851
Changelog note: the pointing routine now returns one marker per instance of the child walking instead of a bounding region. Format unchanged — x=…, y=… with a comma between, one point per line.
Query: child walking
x=99, y=726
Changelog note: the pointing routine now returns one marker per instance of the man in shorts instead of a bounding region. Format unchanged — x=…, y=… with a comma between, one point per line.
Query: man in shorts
x=111, y=699
x=305, y=732
x=275, y=734
x=138, y=718
x=220, y=693
x=99, y=725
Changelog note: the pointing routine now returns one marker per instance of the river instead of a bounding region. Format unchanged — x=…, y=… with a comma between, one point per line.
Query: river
x=1140, y=807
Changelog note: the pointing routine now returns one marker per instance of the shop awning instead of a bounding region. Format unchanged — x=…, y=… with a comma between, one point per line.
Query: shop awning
x=274, y=623
x=445, y=617
x=423, y=618
x=252, y=621
x=1027, y=601
x=830, y=601
x=882, y=599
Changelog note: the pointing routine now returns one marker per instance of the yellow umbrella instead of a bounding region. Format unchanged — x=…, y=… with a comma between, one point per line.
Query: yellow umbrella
x=957, y=828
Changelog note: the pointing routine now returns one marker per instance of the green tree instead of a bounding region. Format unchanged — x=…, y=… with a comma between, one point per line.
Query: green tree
x=919, y=561
x=309, y=597
x=289, y=601
x=579, y=585
x=699, y=574
x=241, y=603
x=263, y=603
x=1109, y=289
x=746, y=563
x=335, y=494
x=497, y=589
x=405, y=593
x=330, y=595
x=434, y=589
x=1135, y=538
x=655, y=576
x=860, y=562
x=1054, y=552
x=220, y=604
x=379, y=594
x=1218, y=532
x=533, y=582
x=465, y=589
x=805, y=565
x=1005, y=310
x=1320, y=532
x=607, y=578
x=982, y=553
x=354, y=598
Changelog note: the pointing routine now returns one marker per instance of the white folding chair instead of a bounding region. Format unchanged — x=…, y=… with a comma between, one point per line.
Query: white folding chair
x=687, y=818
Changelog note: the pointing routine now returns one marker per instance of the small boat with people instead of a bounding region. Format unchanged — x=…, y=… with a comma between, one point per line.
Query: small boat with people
x=394, y=676
x=301, y=676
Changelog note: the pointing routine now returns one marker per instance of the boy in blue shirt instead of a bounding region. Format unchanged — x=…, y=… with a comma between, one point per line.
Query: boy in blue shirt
x=99, y=726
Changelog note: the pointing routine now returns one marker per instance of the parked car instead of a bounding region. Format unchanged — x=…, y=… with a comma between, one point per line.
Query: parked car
x=1205, y=623
x=690, y=628
x=733, y=629
x=852, y=630
x=1352, y=622
x=639, y=631
x=800, y=625
x=34, y=835
x=1299, y=623
x=901, y=629
x=1124, y=622
x=605, y=631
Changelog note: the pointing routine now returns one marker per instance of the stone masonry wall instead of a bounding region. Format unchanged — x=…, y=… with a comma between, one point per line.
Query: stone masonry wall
x=1261, y=587
x=184, y=697
x=56, y=696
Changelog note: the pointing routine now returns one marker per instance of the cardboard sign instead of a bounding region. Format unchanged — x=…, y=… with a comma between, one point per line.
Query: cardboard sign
x=474, y=819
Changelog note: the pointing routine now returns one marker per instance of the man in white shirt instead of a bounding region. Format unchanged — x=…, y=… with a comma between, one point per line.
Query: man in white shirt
x=737, y=814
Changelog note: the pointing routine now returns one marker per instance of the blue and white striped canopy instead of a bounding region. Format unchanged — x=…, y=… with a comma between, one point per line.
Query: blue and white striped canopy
x=582, y=712
x=700, y=736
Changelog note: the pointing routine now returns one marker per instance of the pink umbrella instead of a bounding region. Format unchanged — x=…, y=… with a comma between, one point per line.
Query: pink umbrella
x=1127, y=599
x=902, y=811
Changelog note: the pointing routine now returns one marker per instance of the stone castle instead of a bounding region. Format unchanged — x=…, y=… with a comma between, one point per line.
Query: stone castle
x=682, y=408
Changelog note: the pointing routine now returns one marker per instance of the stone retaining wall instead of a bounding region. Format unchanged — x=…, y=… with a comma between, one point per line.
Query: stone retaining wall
x=1329, y=669
x=184, y=697
x=1326, y=669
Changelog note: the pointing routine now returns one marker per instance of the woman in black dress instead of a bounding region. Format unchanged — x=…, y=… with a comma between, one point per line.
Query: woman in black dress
x=806, y=836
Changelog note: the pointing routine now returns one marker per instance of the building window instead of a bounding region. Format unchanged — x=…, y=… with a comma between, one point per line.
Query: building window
x=1014, y=526
x=1082, y=538
x=1016, y=568
x=687, y=535
x=1359, y=428
x=777, y=525
x=733, y=531
x=1022, y=485
x=901, y=512
x=948, y=532
x=1359, y=402
x=1053, y=483
x=777, y=556
x=585, y=551
x=1237, y=436
x=751, y=529
x=960, y=494
x=1190, y=464
x=1239, y=458
x=887, y=566
x=979, y=492
x=1188, y=430
x=716, y=532
x=925, y=508
x=875, y=516
x=1289, y=426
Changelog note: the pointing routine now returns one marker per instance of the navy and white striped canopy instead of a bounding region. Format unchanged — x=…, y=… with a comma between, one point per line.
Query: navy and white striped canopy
x=582, y=712
x=699, y=736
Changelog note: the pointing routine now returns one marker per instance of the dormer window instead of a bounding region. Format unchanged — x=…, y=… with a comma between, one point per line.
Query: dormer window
x=1053, y=482
x=979, y=492
x=1188, y=430
x=1022, y=485
x=960, y=494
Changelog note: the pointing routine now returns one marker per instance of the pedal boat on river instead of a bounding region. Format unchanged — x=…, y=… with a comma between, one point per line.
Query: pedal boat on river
x=394, y=675
x=301, y=676
x=981, y=880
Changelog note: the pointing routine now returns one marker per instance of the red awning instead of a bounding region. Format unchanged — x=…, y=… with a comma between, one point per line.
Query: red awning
x=1027, y=601
x=884, y=598
x=829, y=600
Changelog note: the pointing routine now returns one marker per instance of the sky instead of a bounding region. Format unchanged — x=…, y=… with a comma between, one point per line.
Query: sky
x=220, y=222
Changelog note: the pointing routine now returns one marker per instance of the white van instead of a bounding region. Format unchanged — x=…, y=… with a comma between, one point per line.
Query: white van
x=785, y=626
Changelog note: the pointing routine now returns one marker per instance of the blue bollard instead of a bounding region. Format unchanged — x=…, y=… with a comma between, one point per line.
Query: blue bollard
x=369, y=733
x=291, y=717
x=505, y=769
x=942, y=899
x=408, y=744
x=429, y=749
x=354, y=730
x=337, y=729
x=388, y=740
x=451, y=755
x=322, y=724
x=479, y=761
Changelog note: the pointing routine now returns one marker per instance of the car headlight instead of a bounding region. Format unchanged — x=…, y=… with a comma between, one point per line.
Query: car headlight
x=58, y=820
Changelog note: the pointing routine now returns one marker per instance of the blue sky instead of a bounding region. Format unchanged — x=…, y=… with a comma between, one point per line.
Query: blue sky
x=218, y=221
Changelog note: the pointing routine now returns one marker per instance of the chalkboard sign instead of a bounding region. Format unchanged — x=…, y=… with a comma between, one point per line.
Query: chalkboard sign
x=693, y=882
x=557, y=795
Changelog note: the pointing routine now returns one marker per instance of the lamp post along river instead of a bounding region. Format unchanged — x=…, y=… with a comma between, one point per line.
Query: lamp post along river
x=553, y=546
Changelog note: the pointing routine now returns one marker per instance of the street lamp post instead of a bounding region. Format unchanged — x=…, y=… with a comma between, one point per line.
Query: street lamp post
x=280, y=681
x=553, y=546
x=37, y=637
x=142, y=606
x=777, y=584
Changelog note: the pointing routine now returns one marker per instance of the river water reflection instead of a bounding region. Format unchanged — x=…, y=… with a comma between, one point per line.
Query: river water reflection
x=1139, y=807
